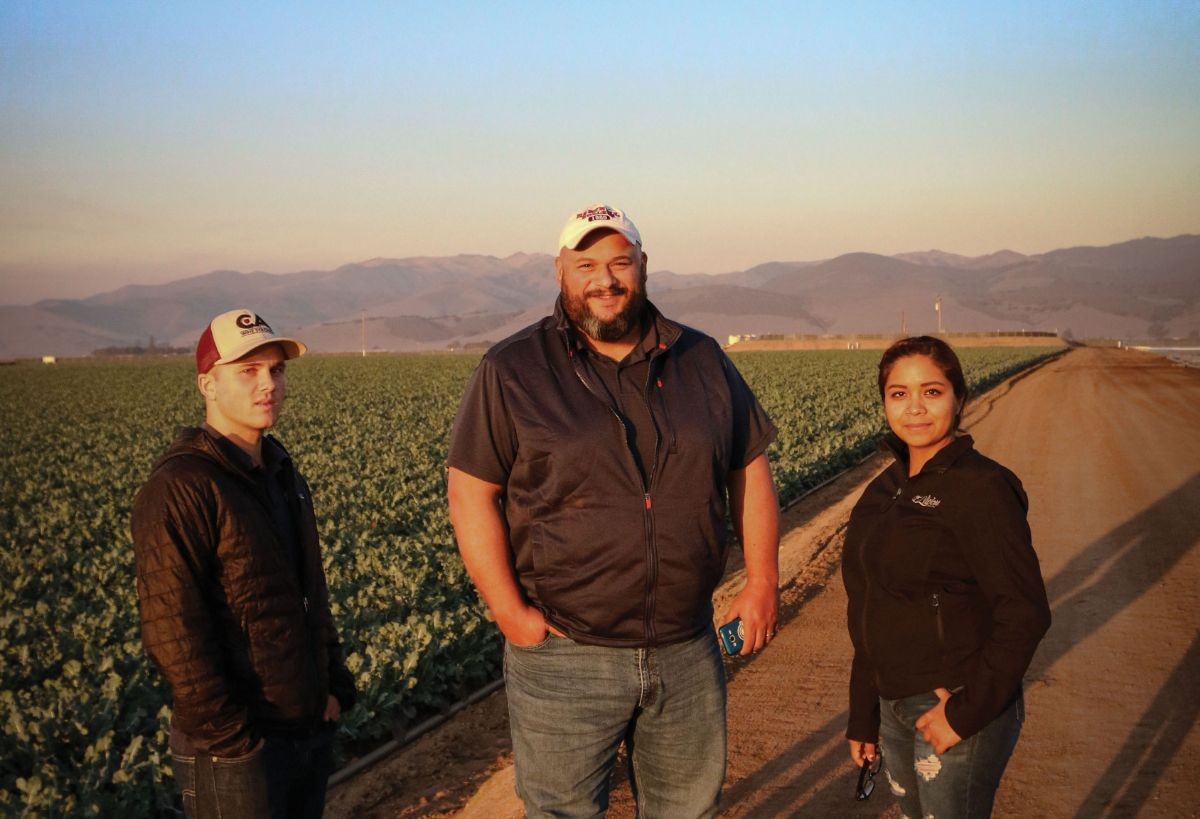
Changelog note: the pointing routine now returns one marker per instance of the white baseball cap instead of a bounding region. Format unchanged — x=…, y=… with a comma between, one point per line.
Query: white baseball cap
x=596, y=217
x=232, y=335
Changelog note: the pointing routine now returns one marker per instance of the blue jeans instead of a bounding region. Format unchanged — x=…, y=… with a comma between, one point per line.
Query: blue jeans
x=216, y=787
x=962, y=782
x=284, y=779
x=571, y=705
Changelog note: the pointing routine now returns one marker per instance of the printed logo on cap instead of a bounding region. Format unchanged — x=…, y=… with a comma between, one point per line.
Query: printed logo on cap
x=252, y=324
x=602, y=213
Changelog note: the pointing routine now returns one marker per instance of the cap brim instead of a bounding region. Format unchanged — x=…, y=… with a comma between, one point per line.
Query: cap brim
x=290, y=346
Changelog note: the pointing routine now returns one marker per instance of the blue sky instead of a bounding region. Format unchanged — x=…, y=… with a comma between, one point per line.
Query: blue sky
x=149, y=141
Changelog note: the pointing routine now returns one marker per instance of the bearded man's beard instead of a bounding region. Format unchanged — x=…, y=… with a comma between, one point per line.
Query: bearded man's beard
x=580, y=313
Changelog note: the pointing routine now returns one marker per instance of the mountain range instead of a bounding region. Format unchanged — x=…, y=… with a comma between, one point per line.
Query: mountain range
x=1142, y=288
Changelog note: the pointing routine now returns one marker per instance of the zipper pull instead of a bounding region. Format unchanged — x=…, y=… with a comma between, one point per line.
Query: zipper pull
x=933, y=601
x=647, y=496
x=306, y=605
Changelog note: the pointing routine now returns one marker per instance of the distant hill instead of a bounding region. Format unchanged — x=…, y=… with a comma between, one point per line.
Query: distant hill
x=1145, y=288
x=938, y=258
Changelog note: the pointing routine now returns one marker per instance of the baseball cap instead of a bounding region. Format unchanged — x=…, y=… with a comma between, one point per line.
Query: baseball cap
x=232, y=335
x=596, y=217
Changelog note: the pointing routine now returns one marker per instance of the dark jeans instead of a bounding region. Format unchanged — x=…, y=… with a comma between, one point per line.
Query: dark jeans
x=571, y=706
x=284, y=778
x=962, y=782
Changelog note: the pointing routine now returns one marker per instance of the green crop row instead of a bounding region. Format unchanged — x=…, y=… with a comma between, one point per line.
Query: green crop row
x=83, y=715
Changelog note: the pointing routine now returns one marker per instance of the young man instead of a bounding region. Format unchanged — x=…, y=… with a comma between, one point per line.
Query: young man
x=589, y=467
x=234, y=608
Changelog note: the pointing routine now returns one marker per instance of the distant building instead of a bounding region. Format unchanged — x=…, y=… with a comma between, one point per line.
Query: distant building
x=49, y=359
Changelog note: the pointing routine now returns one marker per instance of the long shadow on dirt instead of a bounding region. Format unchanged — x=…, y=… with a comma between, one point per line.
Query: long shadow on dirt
x=789, y=777
x=1152, y=745
x=1102, y=580
x=1154, y=538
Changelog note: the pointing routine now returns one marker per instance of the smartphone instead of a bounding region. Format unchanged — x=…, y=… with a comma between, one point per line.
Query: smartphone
x=733, y=636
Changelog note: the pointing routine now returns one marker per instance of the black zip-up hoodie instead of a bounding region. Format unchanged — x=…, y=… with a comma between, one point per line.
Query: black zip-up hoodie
x=943, y=587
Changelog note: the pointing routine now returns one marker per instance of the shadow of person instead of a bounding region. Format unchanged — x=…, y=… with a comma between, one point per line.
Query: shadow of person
x=1153, y=744
x=1115, y=570
x=784, y=787
x=1100, y=582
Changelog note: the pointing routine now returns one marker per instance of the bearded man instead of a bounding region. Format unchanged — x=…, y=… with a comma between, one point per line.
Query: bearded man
x=589, y=470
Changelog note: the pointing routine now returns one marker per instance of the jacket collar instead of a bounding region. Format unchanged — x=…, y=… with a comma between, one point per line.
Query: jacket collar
x=668, y=331
x=197, y=442
x=939, y=463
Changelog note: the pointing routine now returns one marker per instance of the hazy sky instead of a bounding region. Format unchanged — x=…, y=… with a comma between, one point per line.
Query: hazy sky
x=143, y=142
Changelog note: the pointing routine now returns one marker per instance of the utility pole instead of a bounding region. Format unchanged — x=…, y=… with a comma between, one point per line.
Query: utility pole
x=937, y=306
x=903, y=324
x=364, y=333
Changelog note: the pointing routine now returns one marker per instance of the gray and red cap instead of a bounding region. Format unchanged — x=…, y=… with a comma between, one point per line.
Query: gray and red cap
x=232, y=335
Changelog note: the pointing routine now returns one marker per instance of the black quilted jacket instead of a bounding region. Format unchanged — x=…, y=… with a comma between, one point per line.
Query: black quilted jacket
x=239, y=627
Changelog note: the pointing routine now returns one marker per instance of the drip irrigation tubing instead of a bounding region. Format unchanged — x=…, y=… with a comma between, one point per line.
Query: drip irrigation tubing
x=363, y=762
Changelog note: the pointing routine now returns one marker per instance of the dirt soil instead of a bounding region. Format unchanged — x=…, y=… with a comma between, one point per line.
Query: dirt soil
x=1107, y=443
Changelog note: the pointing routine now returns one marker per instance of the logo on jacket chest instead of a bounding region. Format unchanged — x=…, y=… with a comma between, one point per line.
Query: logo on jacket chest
x=928, y=501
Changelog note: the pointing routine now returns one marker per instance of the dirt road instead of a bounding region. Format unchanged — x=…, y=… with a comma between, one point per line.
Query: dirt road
x=1107, y=443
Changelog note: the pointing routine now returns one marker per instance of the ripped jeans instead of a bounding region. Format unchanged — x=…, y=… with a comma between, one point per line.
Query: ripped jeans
x=959, y=784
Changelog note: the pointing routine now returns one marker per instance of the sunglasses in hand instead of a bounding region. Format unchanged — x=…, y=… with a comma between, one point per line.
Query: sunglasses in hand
x=866, y=777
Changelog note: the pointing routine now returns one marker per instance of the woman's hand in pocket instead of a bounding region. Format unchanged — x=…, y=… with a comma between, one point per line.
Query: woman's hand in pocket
x=934, y=727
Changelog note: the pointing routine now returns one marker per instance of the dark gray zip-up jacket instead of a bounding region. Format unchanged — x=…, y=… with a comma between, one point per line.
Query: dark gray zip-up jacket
x=237, y=622
x=943, y=586
x=609, y=557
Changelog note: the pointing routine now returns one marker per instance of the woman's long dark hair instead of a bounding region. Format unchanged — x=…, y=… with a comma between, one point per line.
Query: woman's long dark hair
x=940, y=353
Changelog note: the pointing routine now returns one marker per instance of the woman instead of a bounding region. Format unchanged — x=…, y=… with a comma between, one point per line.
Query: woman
x=946, y=600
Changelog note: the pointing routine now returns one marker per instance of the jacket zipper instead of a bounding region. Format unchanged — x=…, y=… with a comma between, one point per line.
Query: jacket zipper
x=651, y=569
x=647, y=502
x=651, y=540
x=937, y=613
